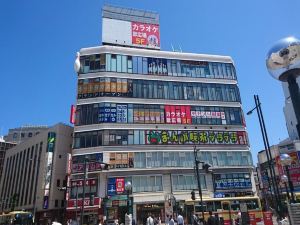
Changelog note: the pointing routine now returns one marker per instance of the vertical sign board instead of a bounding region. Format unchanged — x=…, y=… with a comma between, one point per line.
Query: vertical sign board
x=48, y=170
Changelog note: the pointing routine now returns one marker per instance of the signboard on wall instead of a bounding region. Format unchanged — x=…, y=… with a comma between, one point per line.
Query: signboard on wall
x=178, y=114
x=145, y=34
x=48, y=167
x=115, y=186
x=169, y=137
x=130, y=32
x=294, y=168
x=121, y=160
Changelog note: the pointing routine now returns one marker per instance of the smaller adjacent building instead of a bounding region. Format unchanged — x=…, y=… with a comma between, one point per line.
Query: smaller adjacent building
x=3, y=148
x=19, y=134
x=34, y=171
x=291, y=147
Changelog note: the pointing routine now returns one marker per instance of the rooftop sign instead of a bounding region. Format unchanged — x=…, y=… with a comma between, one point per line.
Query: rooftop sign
x=130, y=27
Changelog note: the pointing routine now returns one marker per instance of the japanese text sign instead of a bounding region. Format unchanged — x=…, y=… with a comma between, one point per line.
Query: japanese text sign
x=168, y=137
x=145, y=34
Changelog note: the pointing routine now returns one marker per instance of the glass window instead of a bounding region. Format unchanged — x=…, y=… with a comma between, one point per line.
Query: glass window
x=119, y=63
x=130, y=64
x=140, y=65
x=113, y=63
x=124, y=64
x=145, y=66
x=135, y=64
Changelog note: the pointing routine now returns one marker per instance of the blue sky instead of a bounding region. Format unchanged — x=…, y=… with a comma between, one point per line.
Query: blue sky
x=39, y=39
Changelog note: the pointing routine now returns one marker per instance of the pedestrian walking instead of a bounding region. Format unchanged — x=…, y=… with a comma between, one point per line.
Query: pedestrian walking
x=171, y=221
x=150, y=220
x=180, y=220
x=211, y=219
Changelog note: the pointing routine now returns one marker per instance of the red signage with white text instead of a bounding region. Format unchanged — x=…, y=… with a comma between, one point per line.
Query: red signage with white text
x=72, y=203
x=145, y=34
x=178, y=114
x=294, y=168
x=120, y=184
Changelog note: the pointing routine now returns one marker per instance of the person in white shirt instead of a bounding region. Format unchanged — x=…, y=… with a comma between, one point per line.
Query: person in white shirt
x=180, y=220
x=150, y=220
x=171, y=221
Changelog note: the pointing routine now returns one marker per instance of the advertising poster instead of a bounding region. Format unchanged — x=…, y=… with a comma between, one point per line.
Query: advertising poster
x=102, y=86
x=145, y=34
x=169, y=137
x=121, y=113
x=113, y=86
x=188, y=114
x=107, y=86
x=173, y=114
x=121, y=160
x=106, y=118
x=178, y=114
x=113, y=113
x=168, y=113
x=120, y=184
x=183, y=114
x=119, y=87
x=294, y=168
x=157, y=66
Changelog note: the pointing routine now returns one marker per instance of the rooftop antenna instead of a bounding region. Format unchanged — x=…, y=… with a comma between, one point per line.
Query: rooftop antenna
x=180, y=48
x=172, y=48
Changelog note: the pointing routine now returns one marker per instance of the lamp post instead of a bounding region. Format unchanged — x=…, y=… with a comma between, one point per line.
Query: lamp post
x=128, y=187
x=86, y=159
x=206, y=167
x=285, y=179
x=268, y=153
x=286, y=161
x=198, y=180
x=104, y=166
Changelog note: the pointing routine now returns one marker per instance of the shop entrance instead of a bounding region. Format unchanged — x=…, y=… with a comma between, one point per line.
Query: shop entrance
x=155, y=209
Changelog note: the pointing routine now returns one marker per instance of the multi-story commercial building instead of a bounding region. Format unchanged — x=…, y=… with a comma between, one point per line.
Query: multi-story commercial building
x=19, y=134
x=34, y=170
x=141, y=110
x=4, y=146
x=289, y=112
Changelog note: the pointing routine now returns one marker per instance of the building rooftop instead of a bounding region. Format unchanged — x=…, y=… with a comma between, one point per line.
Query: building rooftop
x=129, y=14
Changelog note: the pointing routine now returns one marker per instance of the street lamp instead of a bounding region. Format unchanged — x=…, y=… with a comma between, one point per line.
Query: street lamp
x=268, y=152
x=206, y=167
x=104, y=166
x=128, y=187
x=286, y=161
x=285, y=179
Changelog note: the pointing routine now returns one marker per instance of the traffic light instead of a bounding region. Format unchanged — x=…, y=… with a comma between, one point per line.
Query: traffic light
x=193, y=197
x=92, y=199
x=206, y=167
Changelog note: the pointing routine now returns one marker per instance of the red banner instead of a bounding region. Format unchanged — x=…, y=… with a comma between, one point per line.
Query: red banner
x=120, y=183
x=268, y=218
x=72, y=203
x=188, y=114
x=168, y=114
x=79, y=183
x=183, y=114
x=173, y=114
x=73, y=114
x=178, y=114
x=145, y=34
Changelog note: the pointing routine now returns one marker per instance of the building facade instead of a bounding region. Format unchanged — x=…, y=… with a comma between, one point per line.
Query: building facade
x=142, y=111
x=4, y=146
x=19, y=134
x=289, y=112
x=34, y=170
